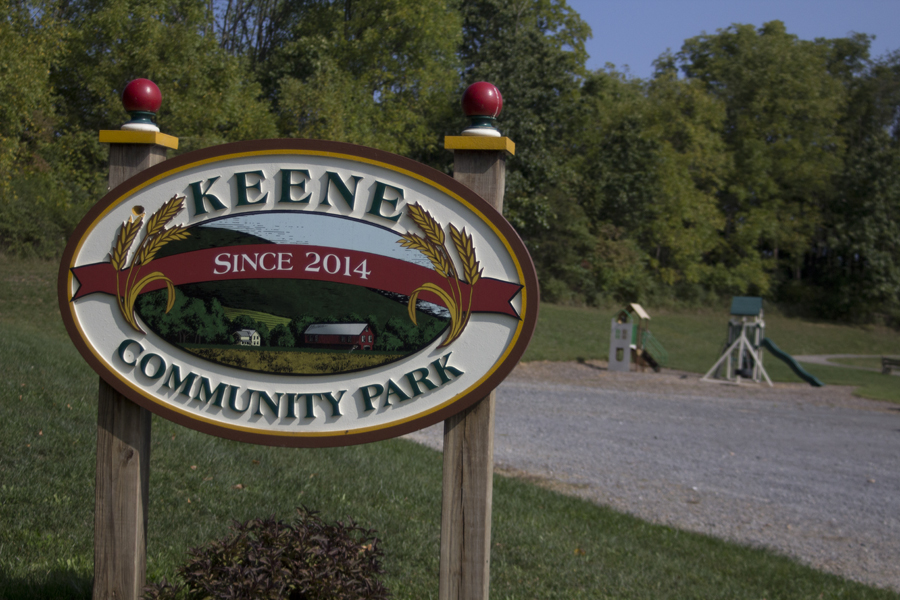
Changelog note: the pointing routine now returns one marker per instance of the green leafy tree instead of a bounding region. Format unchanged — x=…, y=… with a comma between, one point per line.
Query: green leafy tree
x=190, y=320
x=208, y=95
x=37, y=211
x=684, y=228
x=192, y=317
x=388, y=341
x=431, y=330
x=243, y=322
x=282, y=337
x=601, y=210
x=403, y=329
x=648, y=161
x=377, y=73
x=781, y=133
x=57, y=95
x=861, y=270
x=265, y=336
x=152, y=309
x=298, y=326
x=533, y=51
x=856, y=264
x=218, y=326
x=617, y=161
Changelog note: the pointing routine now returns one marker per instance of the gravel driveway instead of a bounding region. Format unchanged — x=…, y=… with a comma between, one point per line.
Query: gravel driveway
x=813, y=473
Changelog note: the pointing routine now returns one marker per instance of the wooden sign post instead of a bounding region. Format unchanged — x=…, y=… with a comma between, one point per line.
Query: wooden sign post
x=479, y=164
x=123, y=427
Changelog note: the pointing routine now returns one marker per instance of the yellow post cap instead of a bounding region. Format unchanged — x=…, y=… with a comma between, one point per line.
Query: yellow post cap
x=477, y=142
x=125, y=136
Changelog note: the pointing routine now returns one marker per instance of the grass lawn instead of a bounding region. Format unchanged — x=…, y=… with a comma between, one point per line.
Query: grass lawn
x=545, y=545
x=866, y=363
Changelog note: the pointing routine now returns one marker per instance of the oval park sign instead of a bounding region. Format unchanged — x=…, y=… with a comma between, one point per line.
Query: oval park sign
x=298, y=293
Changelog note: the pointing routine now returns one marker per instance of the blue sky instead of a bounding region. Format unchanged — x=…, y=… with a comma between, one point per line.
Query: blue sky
x=635, y=32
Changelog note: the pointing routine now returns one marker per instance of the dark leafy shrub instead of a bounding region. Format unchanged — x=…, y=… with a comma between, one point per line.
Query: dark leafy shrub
x=268, y=559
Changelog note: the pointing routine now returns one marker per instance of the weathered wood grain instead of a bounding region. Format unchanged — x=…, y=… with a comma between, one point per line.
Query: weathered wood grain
x=469, y=440
x=120, y=508
x=126, y=160
x=123, y=452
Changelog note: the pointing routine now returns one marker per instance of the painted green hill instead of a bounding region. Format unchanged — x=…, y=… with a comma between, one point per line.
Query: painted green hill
x=284, y=299
x=291, y=298
x=194, y=317
x=203, y=238
x=199, y=316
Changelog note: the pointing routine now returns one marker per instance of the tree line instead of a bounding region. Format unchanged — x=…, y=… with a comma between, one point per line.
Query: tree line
x=203, y=321
x=752, y=162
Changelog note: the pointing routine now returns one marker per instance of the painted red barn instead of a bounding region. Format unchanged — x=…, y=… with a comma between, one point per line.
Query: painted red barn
x=340, y=336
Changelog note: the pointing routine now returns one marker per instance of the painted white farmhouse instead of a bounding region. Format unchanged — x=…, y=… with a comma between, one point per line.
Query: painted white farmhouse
x=246, y=337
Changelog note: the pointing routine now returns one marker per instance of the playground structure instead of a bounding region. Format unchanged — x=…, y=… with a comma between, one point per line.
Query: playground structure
x=888, y=364
x=742, y=357
x=630, y=341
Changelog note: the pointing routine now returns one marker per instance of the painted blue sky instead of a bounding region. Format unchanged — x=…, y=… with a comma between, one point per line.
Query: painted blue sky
x=317, y=229
x=635, y=32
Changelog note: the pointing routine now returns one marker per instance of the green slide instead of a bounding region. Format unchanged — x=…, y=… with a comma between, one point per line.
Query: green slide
x=793, y=364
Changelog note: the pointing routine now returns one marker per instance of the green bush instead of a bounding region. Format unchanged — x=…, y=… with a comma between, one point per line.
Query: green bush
x=268, y=559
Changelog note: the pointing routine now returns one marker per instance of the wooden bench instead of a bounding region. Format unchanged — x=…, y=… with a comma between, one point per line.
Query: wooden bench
x=888, y=364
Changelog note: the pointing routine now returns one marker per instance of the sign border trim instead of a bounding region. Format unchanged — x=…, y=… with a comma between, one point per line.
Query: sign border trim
x=353, y=153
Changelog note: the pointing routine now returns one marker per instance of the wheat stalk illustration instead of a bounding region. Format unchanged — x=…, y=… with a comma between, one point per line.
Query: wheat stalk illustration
x=433, y=246
x=155, y=237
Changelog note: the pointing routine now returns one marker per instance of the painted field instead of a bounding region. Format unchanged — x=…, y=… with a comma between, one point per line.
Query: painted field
x=294, y=362
x=270, y=320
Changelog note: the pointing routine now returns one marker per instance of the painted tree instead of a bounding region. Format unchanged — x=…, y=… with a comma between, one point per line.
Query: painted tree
x=282, y=337
x=297, y=328
x=190, y=320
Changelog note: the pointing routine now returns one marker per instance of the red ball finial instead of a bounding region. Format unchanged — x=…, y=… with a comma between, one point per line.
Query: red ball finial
x=141, y=95
x=482, y=99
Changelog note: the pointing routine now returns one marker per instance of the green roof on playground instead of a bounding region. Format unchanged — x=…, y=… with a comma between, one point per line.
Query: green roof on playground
x=746, y=306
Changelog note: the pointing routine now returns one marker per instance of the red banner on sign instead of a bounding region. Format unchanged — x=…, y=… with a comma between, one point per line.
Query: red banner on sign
x=317, y=263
